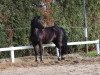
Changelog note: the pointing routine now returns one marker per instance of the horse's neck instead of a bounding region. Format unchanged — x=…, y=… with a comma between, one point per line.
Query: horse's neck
x=35, y=29
x=32, y=30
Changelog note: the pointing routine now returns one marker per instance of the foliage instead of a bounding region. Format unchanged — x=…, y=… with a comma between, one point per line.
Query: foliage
x=91, y=54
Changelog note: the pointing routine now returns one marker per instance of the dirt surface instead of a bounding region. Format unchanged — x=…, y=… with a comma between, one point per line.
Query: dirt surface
x=74, y=64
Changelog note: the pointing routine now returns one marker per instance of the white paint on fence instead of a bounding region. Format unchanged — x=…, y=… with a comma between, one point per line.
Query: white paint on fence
x=12, y=49
x=12, y=56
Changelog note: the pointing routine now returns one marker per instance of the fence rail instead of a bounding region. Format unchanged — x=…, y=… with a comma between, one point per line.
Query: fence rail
x=12, y=49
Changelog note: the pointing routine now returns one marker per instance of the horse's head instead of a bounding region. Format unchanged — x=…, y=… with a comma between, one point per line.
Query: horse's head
x=36, y=22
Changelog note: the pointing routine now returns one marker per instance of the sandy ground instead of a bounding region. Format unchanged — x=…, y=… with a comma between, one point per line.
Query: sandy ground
x=77, y=69
x=72, y=65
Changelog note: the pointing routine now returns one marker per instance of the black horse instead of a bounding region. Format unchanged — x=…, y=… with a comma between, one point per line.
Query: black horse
x=40, y=35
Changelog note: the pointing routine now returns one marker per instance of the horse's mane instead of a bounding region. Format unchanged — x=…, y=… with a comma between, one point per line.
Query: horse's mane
x=35, y=23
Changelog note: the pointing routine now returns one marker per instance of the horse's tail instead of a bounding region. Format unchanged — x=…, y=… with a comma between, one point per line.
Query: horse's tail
x=64, y=42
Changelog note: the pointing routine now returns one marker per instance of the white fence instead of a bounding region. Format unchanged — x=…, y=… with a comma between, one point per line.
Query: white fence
x=12, y=49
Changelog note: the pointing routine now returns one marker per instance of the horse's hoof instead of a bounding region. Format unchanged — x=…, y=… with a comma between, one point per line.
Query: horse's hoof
x=62, y=58
x=41, y=61
x=36, y=61
x=59, y=59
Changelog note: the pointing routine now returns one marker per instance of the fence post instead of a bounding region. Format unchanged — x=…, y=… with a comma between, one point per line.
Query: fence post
x=97, y=47
x=12, y=55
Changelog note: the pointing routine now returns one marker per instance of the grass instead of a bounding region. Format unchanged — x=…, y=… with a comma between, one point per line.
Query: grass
x=92, y=54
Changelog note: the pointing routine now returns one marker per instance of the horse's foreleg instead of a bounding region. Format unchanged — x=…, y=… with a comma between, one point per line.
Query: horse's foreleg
x=35, y=51
x=41, y=52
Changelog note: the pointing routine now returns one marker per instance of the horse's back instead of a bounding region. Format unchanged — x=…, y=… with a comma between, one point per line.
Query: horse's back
x=48, y=35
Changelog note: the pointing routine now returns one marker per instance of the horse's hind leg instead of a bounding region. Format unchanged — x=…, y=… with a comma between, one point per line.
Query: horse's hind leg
x=59, y=58
x=59, y=52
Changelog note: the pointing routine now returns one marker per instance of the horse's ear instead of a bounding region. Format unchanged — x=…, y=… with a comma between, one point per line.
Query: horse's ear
x=34, y=17
x=39, y=17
